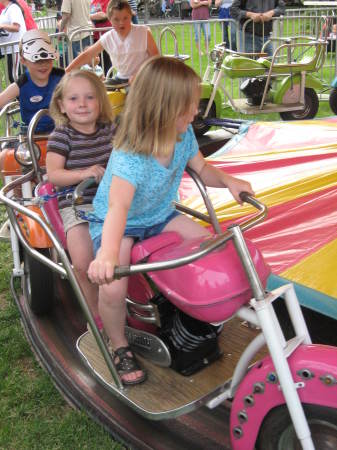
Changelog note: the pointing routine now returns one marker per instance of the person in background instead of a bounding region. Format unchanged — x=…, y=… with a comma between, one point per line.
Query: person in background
x=79, y=148
x=258, y=30
x=224, y=13
x=100, y=19
x=12, y=28
x=34, y=88
x=27, y=13
x=200, y=11
x=128, y=45
x=133, y=6
x=94, y=67
x=75, y=15
x=154, y=143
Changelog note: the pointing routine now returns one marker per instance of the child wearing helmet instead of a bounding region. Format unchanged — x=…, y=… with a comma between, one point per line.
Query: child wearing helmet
x=35, y=86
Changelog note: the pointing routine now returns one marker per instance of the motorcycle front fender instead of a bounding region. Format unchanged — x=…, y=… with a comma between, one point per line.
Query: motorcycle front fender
x=287, y=82
x=206, y=92
x=32, y=231
x=313, y=366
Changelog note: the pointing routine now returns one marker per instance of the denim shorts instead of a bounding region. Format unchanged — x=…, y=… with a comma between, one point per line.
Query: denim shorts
x=140, y=233
x=202, y=27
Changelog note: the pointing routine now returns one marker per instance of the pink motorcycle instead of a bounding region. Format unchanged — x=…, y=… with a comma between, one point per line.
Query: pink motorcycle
x=206, y=331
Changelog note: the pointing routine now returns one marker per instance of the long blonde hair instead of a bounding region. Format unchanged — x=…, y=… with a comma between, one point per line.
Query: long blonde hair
x=106, y=112
x=163, y=89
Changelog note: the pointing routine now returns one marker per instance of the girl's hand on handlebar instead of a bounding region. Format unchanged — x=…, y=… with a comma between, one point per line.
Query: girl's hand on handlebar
x=101, y=269
x=95, y=171
x=236, y=186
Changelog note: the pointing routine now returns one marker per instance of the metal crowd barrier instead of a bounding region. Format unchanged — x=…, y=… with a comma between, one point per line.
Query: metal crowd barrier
x=306, y=21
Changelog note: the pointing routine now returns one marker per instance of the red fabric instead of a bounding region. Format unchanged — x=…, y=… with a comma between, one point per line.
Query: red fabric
x=300, y=226
x=97, y=6
x=29, y=20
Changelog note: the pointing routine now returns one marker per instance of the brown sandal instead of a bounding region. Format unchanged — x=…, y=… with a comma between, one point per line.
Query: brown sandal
x=126, y=364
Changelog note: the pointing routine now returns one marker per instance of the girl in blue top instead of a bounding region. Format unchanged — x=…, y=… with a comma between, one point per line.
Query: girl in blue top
x=153, y=144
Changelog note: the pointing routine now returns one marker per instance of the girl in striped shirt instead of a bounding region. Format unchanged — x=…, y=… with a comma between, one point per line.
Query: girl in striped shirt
x=79, y=148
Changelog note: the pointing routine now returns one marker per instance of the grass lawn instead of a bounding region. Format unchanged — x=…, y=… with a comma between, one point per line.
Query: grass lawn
x=33, y=414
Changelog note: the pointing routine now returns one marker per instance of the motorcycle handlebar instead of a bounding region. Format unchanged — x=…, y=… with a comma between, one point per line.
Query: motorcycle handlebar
x=207, y=246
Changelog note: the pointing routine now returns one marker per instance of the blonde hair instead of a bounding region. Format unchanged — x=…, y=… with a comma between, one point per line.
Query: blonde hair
x=117, y=5
x=163, y=89
x=106, y=112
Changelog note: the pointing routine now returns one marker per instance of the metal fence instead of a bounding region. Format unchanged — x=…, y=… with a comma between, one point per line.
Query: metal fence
x=305, y=21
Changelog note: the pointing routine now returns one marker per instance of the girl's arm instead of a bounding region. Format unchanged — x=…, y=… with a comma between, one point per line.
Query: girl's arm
x=214, y=177
x=60, y=176
x=9, y=94
x=121, y=193
x=198, y=3
x=86, y=56
x=99, y=15
x=152, y=48
x=12, y=27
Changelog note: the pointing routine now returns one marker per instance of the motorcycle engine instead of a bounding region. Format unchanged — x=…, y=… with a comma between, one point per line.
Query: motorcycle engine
x=253, y=89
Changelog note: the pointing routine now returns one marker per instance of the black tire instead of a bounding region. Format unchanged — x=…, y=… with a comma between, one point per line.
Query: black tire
x=199, y=126
x=38, y=284
x=277, y=431
x=333, y=101
x=309, y=111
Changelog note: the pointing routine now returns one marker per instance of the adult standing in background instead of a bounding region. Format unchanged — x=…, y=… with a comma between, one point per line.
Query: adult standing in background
x=75, y=15
x=100, y=19
x=133, y=6
x=27, y=14
x=200, y=11
x=12, y=26
x=224, y=13
x=258, y=30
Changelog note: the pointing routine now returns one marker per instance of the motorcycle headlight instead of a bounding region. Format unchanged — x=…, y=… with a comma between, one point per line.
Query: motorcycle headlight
x=214, y=55
x=23, y=156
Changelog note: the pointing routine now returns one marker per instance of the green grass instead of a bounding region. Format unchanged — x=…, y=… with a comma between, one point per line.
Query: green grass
x=33, y=414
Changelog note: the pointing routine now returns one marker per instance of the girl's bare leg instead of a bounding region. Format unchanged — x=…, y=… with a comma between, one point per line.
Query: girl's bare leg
x=186, y=227
x=112, y=307
x=81, y=253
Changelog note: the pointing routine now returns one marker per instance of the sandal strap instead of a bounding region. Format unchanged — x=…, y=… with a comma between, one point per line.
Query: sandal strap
x=127, y=363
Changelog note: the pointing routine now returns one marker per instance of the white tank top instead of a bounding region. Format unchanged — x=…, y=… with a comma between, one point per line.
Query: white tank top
x=129, y=53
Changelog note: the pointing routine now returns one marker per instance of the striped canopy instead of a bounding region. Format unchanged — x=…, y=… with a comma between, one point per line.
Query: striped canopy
x=292, y=167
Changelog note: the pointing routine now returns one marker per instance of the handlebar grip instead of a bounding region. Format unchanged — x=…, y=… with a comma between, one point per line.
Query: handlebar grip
x=80, y=188
x=245, y=196
x=121, y=271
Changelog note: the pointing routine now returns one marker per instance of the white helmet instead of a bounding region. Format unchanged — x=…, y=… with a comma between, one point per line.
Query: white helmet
x=36, y=46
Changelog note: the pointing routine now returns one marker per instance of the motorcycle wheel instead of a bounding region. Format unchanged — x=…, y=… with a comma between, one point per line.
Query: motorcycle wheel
x=333, y=101
x=38, y=284
x=277, y=431
x=309, y=111
x=199, y=126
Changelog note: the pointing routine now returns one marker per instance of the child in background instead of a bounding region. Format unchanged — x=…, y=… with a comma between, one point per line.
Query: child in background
x=94, y=67
x=128, y=45
x=154, y=142
x=200, y=11
x=35, y=87
x=79, y=148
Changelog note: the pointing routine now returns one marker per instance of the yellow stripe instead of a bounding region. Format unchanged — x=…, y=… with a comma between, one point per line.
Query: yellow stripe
x=230, y=210
x=317, y=271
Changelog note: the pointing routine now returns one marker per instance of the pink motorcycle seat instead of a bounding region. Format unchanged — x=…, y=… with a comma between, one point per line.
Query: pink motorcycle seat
x=143, y=249
x=211, y=288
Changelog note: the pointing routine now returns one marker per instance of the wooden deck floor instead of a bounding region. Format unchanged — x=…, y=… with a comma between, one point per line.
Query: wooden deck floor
x=166, y=393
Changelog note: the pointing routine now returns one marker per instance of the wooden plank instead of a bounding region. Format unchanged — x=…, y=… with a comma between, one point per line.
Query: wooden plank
x=165, y=391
